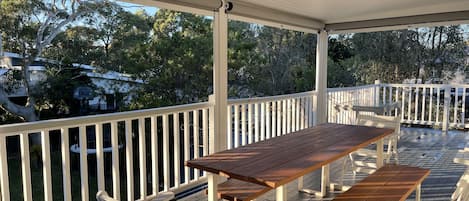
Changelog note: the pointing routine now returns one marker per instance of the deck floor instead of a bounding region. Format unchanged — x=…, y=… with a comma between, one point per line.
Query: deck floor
x=420, y=147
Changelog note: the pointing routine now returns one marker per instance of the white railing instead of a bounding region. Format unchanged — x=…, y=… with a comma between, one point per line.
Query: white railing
x=339, y=97
x=164, y=139
x=257, y=119
x=144, y=151
x=429, y=104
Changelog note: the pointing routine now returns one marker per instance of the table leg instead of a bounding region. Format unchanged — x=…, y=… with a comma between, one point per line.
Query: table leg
x=379, y=153
x=300, y=183
x=213, y=180
x=281, y=193
x=324, y=180
x=418, y=192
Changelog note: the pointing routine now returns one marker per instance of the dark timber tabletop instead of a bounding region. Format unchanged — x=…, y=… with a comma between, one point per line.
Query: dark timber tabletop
x=279, y=160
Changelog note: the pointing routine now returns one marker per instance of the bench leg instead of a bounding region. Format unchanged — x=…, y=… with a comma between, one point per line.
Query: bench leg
x=213, y=181
x=324, y=180
x=418, y=192
x=281, y=193
x=379, y=153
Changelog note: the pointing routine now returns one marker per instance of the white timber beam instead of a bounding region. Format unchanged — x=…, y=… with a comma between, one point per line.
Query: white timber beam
x=396, y=23
x=321, y=78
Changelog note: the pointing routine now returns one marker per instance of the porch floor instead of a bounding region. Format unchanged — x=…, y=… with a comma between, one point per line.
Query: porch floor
x=422, y=147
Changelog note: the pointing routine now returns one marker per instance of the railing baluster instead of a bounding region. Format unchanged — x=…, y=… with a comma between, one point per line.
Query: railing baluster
x=284, y=117
x=186, y=146
x=403, y=104
x=115, y=160
x=455, y=117
x=298, y=102
x=430, y=106
x=195, y=116
x=293, y=115
x=250, y=123
x=302, y=113
x=410, y=105
x=279, y=118
x=262, y=134
x=129, y=160
x=154, y=155
x=256, y=122
x=5, y=186
x=142, y=158
x=268, y=118
x=26, y=167
x=66, y=177
x=229, y=131
x=177, y=148
x=166, y=174
x=46, y=166
x=99, y=156
x=83, y=163
x=243, y=124
x=236, y=126
x=274, y=119
x=424, y=94
x=438, y=105
x=416, y=104
x=205, y=131
x=463, y=108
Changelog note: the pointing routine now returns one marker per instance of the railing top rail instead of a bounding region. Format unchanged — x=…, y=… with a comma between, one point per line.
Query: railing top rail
x=270, y=98
x=93, y=119
x=428, y=85
x=350, y=88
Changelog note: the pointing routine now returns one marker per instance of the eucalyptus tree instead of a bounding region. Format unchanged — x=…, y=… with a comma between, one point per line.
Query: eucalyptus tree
x=28, y=27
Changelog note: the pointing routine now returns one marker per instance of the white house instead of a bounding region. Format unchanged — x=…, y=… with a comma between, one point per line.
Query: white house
x=112, y=87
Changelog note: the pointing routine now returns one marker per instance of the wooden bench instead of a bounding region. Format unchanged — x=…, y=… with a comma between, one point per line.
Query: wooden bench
x=389, y=183
x=236, y=190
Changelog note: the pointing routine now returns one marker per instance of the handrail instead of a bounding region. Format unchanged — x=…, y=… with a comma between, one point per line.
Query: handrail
x=350, y=88
x=92, y=119
x=269, y=98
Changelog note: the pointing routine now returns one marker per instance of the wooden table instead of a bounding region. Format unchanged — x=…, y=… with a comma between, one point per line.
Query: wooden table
x=278, y=161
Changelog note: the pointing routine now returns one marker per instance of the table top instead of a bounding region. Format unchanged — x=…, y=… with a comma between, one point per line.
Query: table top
x=279, y=160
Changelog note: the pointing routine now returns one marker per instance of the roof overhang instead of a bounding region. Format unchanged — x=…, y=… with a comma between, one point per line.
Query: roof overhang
x=332, y=15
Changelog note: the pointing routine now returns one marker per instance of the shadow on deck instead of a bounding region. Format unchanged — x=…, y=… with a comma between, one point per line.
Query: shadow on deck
x=422, y=147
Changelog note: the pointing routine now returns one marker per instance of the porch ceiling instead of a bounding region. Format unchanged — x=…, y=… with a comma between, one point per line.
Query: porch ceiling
x=333, y=15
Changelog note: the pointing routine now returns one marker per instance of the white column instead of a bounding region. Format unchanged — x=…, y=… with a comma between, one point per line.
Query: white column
x=220, y=81
x=321, y=78
x=218, y=117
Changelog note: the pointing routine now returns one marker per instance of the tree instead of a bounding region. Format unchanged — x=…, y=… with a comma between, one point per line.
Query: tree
x=29, y=27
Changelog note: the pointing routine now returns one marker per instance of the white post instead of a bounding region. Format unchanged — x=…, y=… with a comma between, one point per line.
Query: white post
x=320, y=106
x=220, y=80
x=447, y=100
x=377, y=89
x=218, y=122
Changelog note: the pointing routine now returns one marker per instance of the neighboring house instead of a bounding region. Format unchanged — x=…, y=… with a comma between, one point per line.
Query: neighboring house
x=113, y=88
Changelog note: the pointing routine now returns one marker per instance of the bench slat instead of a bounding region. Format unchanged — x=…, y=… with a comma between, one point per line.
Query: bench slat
x=236, y=190
x=389, y=183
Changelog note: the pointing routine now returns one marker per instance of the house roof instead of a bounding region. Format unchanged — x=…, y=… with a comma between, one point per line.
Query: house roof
x=332, y=15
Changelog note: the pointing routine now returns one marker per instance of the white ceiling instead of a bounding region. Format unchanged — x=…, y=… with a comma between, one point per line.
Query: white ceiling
x=337, y=11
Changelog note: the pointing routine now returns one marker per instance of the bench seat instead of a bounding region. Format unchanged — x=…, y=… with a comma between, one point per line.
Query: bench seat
x=236, y=190
x=389, y=183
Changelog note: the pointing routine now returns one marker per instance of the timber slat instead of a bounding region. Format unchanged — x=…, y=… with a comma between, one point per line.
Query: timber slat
x=389, y=183
x=279, y=160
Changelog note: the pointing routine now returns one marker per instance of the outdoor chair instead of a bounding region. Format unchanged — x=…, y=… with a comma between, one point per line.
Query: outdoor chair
x=462, y=187
x=358, y=158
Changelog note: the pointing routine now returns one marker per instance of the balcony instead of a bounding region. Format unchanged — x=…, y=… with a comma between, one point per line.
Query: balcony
x=137, y=155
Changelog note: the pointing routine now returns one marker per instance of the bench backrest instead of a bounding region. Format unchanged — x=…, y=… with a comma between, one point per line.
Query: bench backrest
x=379, y=121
